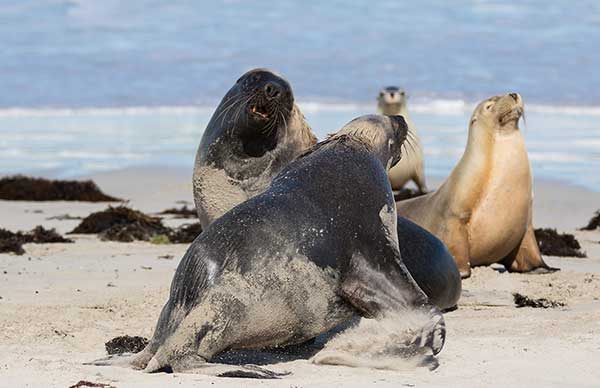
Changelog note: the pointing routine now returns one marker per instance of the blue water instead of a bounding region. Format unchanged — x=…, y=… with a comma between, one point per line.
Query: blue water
x=99, y=85
x=113, y=52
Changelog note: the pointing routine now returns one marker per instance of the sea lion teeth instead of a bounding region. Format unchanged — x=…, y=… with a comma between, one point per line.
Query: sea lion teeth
x=242, y=148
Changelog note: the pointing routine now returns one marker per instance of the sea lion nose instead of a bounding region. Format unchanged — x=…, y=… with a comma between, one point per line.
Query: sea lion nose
x=272, y=90
x=515, y=96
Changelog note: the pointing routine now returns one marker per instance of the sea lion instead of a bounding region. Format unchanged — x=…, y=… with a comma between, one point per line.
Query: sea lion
x=393, y=101
x=224, y=179
x=298, y=259
x=256, y=130
x=430, y=264
x=483, y=211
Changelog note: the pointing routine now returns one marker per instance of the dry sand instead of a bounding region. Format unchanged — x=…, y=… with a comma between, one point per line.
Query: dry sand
x=61, y=302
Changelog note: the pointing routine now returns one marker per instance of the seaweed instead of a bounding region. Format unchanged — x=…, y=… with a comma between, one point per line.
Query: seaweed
x=182, y=212
x=552, y=243
x=126, y=225
x=121, y=224
x=126, y=344
x=594, y=222
x=185, y=233
x=85, y=383
x=525, y=301
x=22, y=188
x=13, y=242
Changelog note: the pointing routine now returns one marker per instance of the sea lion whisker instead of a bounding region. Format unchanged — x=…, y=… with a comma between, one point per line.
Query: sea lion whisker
x=224, y=112
x=285, y=125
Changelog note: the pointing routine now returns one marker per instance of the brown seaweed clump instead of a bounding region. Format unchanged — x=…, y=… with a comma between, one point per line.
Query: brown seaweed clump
x=126, y=225
x=85, y=383
x=126, y=344
x=525, y=301
x=13, y=242
x=185, y=234
x=406, y=193
x=182, y=212
x=594, y=222
x=121, y=224
x=22, y=188
x=552, y=243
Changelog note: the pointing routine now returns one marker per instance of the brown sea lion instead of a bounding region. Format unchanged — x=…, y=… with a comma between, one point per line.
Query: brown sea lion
x=483, y=211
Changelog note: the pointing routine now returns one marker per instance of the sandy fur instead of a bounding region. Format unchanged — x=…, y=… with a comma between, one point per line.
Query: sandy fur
x=378, y=343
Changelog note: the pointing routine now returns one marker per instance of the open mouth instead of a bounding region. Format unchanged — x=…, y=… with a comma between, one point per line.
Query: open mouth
x=259, y=112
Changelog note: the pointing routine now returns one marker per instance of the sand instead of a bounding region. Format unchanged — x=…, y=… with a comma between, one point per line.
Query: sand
x=61, y=302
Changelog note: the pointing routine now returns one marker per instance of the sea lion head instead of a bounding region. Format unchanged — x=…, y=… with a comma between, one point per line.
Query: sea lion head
x=499, y=112
x=385, y=135
x=257, y=107
x=391, y=100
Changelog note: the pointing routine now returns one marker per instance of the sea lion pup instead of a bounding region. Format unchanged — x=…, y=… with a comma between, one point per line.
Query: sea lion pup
x=483, y=211
x=255, y=132
x=298, y=259
x=393, y=101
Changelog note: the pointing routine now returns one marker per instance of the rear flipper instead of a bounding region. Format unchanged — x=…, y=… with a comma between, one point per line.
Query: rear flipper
x=248, y=371
x=195, y=364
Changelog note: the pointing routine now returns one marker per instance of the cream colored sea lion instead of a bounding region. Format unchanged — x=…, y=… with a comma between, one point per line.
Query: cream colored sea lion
x=392, y=101
x=483, y=211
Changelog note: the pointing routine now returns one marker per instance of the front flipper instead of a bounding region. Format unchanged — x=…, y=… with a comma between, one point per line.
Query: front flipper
x=526, y=257
x=384, y=289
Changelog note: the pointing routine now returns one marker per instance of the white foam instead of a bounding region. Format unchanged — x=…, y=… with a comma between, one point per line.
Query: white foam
x=418, y=105
x=109, y=111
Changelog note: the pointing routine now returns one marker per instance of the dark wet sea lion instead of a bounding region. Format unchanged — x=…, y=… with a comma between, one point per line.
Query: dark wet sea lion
x=298, y=259
x=225, y=175
x=430, y=264
x=255, y=132
x=483, y=211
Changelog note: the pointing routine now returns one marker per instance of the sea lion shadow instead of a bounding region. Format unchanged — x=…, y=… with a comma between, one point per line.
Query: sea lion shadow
x=303, y=351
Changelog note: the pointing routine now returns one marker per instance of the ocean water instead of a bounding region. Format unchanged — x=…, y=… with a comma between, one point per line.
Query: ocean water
x=99, y=85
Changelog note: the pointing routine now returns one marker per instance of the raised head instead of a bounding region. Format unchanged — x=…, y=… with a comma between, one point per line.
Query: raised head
x=257, y=107
x=391, y=100
x=385, y=135
x=500, y=113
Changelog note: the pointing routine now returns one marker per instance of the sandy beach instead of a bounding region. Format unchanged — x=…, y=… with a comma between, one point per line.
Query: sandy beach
x=61, y=302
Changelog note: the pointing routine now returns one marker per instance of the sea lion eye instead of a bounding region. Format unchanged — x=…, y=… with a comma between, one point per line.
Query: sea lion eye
x=488, y=106
x=380, y=94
